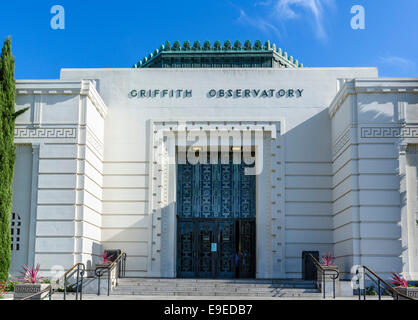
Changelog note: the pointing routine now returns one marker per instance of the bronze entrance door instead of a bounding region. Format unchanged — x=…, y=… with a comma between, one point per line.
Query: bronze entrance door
x=215, y=221
x=216, y=248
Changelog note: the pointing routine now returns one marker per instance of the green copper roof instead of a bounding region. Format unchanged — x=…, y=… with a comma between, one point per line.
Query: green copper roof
x=217, y=55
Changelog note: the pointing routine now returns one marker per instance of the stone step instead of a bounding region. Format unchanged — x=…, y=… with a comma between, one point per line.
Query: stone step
x=221, y=287
x=220, y=293
x=214, y=286
x=214, y=281
x=207, y=283
x=226, y=289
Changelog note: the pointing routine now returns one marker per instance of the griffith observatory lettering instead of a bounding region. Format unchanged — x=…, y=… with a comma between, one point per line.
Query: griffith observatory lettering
x=255, y=93
x=218, y=93
x=161, y=93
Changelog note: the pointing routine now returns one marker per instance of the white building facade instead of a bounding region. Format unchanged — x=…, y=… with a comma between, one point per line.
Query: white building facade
x=334, y=156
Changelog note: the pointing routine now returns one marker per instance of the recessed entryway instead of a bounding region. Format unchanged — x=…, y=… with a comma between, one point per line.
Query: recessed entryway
x=216, y=210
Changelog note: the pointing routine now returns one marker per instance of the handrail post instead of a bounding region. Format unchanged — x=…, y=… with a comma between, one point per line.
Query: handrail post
x=108, y=281
x=322, y=271
x=50, y=292
x=378, y=287
x=364, y=284
x=81, y=285
x=78, y=279
x=100, y=271
x=65, y=287
x=119, y=267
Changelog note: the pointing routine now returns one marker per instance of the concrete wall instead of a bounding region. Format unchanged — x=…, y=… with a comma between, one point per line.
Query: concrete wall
x=343, y=181
x=412, y=206
x=67, y=176
x=369, y=174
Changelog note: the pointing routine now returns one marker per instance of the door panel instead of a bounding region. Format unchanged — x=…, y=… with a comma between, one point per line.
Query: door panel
x=215, y=191
x=186, y=242
x=247, y=249
x=216, y=220
x=234, y=251
x=227, y=249
x=205, y=237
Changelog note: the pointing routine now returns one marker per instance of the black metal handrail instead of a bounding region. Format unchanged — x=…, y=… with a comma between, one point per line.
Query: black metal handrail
x=379, y=281
x=335, y=274
x=80, y=269
x=120, y=262
x=49, y=288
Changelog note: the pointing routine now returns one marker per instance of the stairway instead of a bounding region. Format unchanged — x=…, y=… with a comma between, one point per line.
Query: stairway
x=207, y=287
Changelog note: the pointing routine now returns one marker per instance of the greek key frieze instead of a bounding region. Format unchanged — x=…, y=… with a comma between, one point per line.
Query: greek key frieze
x=389, y=132
x=45, y=133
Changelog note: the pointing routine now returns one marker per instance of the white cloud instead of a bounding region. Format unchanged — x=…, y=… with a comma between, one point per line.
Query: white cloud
x=263, y=3
x=258, y=23
x=396, y=66
x=314, y=9
x=280, y=11
x=397, y=62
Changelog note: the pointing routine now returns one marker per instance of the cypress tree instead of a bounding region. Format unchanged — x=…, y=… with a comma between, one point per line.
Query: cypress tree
x=7, y=152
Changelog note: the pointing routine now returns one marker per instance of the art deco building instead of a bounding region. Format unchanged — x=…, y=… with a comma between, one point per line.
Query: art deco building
x=217, y=161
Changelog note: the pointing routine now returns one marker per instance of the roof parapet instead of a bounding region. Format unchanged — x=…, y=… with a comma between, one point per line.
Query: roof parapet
x=217, y=47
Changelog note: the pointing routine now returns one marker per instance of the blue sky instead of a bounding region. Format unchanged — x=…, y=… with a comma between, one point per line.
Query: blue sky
x=109, y=34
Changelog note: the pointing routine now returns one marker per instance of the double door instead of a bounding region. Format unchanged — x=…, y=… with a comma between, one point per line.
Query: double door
x=216, y=248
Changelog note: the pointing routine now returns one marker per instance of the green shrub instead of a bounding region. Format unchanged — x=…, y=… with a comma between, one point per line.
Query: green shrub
x=7, y=152
x=11, y=286
x=371, y=291
x=70, y=288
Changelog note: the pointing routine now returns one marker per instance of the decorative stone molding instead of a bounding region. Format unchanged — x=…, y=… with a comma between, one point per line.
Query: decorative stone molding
x=389, y=132
x=88, y=89
x=23, y=290
x=37, y=110
x=402, y=147
x=371, y=86
x=218, y=126
x=162, y=208
x=48, y=133
x=92, y=139
x=61, y=87
x=341, y=142
x=163, y=212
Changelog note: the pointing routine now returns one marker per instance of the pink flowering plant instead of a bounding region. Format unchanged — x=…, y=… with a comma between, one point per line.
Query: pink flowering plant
x=327, y=260
x=31, y=274
x=107, y=258
x=3, y=288
x=399, y=281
